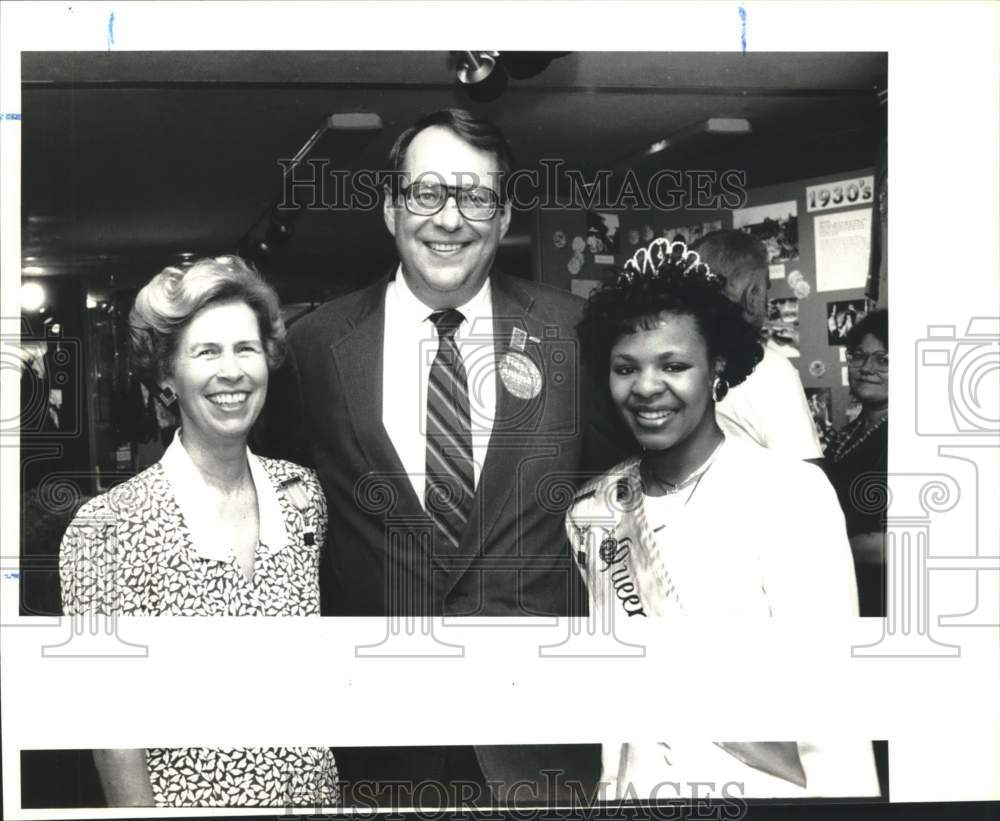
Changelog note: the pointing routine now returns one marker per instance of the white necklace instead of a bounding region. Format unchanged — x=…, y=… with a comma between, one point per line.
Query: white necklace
x=692, y=480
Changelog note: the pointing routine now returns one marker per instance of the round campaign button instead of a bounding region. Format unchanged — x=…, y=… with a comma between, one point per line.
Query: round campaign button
x=520, y=375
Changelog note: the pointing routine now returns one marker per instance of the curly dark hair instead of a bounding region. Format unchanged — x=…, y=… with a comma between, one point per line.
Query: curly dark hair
x=875, y=323
x=676, y=285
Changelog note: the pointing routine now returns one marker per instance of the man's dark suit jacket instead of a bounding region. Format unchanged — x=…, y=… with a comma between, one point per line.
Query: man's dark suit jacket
x=324, y=410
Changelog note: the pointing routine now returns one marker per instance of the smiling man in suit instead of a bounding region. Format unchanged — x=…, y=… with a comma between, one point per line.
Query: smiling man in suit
x=445, y=412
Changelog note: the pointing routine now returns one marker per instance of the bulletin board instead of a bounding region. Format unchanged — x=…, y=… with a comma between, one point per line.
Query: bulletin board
x=817, y=232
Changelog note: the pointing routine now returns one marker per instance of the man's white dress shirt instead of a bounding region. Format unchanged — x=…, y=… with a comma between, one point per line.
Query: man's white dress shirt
x=410, y=344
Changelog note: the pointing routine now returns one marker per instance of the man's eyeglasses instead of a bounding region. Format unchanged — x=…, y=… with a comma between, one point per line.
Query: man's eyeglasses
x=425, y=200
x=879, y=360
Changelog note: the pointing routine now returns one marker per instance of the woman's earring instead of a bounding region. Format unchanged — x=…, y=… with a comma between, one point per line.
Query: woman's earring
x=167, y=396
x=720, y=387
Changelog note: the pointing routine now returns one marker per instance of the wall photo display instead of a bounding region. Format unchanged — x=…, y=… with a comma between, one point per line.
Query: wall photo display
x=842, y=316
x=776, y=225
x=782, y=325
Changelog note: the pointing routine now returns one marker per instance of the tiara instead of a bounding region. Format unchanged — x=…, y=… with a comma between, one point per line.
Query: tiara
x=662, y=258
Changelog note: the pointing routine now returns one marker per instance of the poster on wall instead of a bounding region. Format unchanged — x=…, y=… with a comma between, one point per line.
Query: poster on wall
x=841, y=317
x=821, y=408
x=776, y=225
x=841, y=194
x=843, y=242
x=782, y=326
x=602, y=236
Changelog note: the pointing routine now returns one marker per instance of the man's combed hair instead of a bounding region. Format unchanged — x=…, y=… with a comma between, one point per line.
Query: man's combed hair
x=620, y=307
x=732, y=254
x=480, y=134
x=173, y=297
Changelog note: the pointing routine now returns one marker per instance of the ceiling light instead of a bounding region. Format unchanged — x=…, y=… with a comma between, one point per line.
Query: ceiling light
x=32, y=297
x=475, y=66
x=657, y=147
x=32, y=270
x=727, y=125
x=483, y=78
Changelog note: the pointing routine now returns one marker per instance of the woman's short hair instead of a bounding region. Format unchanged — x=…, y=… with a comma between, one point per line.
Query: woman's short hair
x=875, y=323
x=630, y=304
x=173, y=297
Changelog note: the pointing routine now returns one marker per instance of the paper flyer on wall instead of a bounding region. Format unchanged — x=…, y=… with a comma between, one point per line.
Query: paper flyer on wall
x=842, y=245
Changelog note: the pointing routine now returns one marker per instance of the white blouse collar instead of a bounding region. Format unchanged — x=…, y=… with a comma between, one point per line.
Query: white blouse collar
x=190, y=491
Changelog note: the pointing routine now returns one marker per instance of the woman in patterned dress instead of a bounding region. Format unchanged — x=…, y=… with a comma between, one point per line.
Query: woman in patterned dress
x=683, y=532
x=858, y=458
x=210, y=529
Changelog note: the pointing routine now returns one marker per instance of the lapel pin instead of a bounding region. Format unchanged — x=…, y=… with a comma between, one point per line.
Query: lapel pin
x=518, y=339
x=520, y=375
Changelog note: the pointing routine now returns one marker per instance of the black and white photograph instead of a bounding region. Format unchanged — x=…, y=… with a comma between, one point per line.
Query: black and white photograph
x=602, y=234
x=691, y=233
x=841, y=317
x=821, y=407
x=782, y=325
x=361, y=465
x=776, y=225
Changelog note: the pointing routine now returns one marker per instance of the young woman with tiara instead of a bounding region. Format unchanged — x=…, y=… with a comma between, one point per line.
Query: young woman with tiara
x=700, y=527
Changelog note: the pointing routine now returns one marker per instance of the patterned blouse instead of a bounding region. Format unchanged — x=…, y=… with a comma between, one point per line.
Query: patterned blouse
x=147, y=548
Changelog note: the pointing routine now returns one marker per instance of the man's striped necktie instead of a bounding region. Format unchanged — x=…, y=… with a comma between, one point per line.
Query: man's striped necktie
x=450, y=486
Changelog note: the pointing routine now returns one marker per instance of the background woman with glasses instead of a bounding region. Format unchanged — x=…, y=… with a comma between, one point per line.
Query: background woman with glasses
x=857, y=458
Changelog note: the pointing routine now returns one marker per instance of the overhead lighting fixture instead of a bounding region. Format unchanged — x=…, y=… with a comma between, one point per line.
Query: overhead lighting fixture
x=352, y=126
x=727, y=125
x=33, y=297
x=522, y=65
x=475, y=67
x=723, y=126
x=485, y=74
x=32, y=270
x=482, y=76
